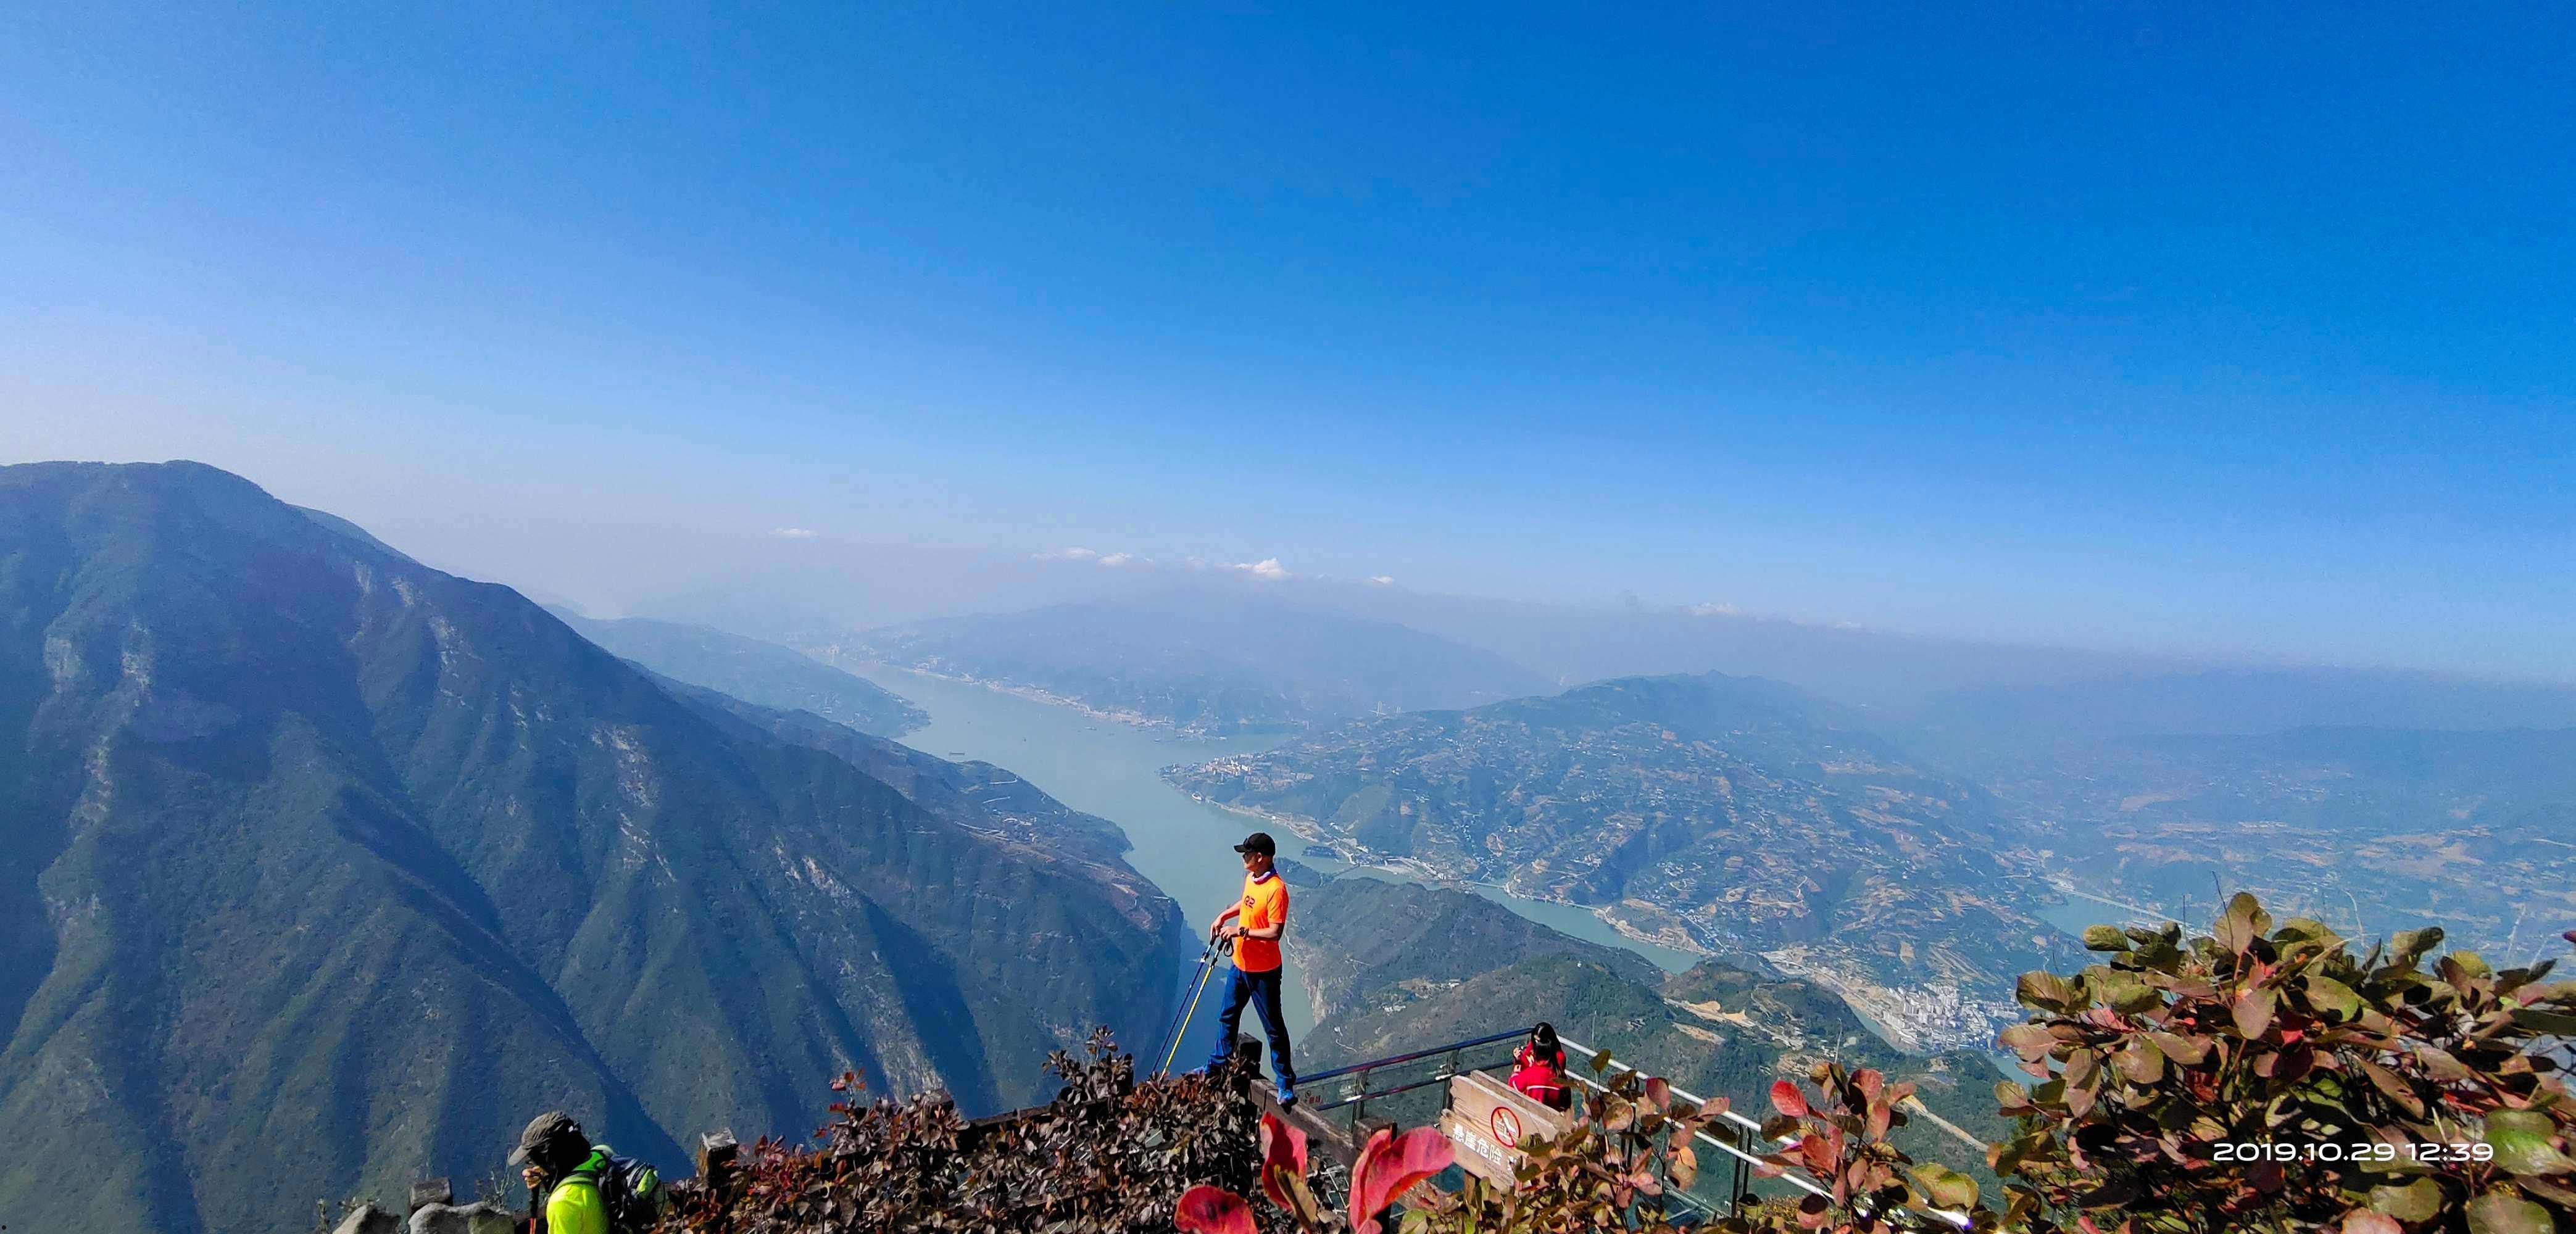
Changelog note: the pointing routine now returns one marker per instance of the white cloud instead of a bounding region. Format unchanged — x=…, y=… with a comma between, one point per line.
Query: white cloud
x=794, y=533
x=1383, y=580
x=1115, y=560
x=1065, y=554
x=1715, y=610
x=1267, y=567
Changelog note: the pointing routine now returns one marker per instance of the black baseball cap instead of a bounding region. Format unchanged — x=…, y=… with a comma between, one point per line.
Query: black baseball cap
x=548, y=1126
x=1258, y=842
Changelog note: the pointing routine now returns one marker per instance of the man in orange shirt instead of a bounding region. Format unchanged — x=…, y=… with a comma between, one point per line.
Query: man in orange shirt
x=1255, y=925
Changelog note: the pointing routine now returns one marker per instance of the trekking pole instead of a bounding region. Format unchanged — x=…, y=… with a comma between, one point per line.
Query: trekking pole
x=1180, y=1027
x=536, y=1224
x=1188, y=1010
x=1173, y=1024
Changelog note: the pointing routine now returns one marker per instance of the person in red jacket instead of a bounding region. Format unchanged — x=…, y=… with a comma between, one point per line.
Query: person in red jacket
x=1541, y=1069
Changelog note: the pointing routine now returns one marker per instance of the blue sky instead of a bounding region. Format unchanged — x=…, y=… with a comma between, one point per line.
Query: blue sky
x=2098, y=324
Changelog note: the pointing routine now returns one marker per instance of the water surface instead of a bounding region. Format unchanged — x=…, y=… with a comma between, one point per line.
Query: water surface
x=1114, y=770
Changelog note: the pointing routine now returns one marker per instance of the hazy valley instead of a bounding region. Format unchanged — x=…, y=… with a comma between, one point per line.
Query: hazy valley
x=1200, y=662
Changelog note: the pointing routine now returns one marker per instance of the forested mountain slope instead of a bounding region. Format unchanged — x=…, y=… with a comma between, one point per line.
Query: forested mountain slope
x=322, y=870
x=1356, y=934
x=1729, y=814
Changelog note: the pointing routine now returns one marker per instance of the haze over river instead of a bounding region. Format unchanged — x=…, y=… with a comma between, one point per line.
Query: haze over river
x=1114, y=770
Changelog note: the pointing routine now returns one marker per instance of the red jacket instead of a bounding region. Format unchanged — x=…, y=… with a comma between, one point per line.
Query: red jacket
x=1542, y=1077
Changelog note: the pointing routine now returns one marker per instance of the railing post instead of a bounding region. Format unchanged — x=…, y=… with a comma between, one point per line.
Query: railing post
x=1743, y=1140
x=1359, y=1108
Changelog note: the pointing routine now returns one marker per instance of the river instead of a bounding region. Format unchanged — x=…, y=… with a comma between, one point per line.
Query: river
x=1186, y=847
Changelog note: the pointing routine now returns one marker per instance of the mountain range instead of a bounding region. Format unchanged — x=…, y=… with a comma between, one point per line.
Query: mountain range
x=323, y=870
x=751, y=670
x=2365, y=828
x=1201, y=662
x=1723, y=814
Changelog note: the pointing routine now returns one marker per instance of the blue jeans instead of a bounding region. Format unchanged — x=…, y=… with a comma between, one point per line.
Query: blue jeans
x=1262, y=990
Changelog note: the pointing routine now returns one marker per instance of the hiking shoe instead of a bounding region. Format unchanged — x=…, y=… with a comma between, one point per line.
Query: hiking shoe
x=1287, y=1097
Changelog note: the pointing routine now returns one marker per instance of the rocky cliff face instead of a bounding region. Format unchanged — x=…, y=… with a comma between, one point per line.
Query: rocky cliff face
x=323, y=869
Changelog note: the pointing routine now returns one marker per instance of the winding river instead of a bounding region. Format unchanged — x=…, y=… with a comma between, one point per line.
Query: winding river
x=1114, y=770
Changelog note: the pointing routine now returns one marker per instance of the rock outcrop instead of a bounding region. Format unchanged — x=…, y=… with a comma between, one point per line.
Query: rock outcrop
x=369, y=1219
x=480, y=1217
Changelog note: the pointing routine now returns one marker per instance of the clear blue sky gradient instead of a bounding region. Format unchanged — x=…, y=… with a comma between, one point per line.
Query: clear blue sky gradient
x=2110, y=324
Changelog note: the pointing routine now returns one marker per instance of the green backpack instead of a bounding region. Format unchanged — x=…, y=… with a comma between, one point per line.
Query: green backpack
x=629, y=1190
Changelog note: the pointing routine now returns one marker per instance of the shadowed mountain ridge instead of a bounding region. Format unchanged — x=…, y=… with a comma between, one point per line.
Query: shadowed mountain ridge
x=324, y=870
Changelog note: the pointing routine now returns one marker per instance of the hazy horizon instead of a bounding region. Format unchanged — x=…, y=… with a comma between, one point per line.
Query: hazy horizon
x=792, y=596
x=2220, y=337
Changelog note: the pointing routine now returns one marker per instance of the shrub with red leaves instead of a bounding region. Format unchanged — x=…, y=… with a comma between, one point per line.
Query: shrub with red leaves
x=2260, y=1078
x=1108, y=1154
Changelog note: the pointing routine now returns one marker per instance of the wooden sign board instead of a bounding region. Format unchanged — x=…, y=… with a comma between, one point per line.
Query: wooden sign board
x=1487, y=1119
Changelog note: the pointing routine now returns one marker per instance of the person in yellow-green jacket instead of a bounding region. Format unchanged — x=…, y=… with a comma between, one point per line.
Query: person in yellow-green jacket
x=586, y=1188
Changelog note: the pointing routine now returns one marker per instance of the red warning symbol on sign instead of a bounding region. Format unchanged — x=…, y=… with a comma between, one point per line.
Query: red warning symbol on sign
x=1506, y=1125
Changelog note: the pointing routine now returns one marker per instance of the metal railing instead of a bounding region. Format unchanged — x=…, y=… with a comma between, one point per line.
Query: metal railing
x=1748, y=1133
x=1453, y=1062
x=1396, y=1059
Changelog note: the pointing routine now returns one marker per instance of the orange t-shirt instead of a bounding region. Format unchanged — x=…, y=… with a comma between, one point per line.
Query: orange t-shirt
x=1265, y=904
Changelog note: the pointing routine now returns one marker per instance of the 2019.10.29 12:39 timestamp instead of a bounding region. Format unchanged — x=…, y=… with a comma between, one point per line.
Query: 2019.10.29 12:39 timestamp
x=2453, y=1153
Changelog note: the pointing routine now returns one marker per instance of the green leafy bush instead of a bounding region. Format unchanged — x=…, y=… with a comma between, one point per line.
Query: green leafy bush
x=2263, y=1077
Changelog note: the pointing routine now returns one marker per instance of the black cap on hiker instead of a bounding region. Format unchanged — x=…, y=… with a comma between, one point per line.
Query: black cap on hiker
x=541, y=1129
x=1258, y=842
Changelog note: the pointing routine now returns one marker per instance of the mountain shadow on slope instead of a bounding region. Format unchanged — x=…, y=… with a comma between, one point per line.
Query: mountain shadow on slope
x=324, y=869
